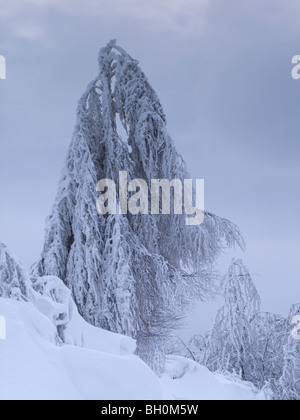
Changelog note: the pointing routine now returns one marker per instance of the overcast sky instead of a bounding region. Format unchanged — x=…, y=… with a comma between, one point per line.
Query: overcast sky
x=223, y=72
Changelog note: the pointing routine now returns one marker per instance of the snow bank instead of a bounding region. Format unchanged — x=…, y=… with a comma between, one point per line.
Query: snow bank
x=54, y=301
x=187, y=380
x=32, y=367
x=35, y=365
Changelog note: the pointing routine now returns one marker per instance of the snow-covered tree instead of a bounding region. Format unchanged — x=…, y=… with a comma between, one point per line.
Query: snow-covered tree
x=129, y=274
x=270, y=338
x=289, y=384
x=14, y=279
x=232, y=340
x=195, y=349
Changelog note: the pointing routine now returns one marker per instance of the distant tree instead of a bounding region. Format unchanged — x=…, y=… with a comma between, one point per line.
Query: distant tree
x=231, y=342
x=289, y=384
x=14, y=279
x=270, y=339
x=197, y=347
x=134, y=275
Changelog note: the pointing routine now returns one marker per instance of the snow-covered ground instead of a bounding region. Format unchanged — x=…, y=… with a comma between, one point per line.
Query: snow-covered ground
x=97, y=365
x=187, y=380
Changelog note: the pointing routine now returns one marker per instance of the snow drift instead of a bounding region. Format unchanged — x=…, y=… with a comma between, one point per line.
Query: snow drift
x=96, y=365
x=34, y=368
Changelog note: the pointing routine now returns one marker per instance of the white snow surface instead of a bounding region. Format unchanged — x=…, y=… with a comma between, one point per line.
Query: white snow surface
x=187, y=380
x=98, y=365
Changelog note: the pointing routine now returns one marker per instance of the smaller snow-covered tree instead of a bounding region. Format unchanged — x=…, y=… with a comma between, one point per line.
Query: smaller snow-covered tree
x=193, y=349
x=270, y=333
x=14, y=279
x=197, y=348
x=289, y=384
x=231, y=341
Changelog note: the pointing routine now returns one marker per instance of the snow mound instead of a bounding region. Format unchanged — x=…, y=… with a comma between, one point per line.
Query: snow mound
x=187, y=380
x=35, y=363
x=34, y=368
x=54, y=300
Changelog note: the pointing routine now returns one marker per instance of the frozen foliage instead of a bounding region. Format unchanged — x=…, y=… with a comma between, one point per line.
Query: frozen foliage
x=14, y=279
x=128, y=274
x=270, y=337
x=259, y=347
x=290, y=381
x=232, y=341
x=195, y=349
